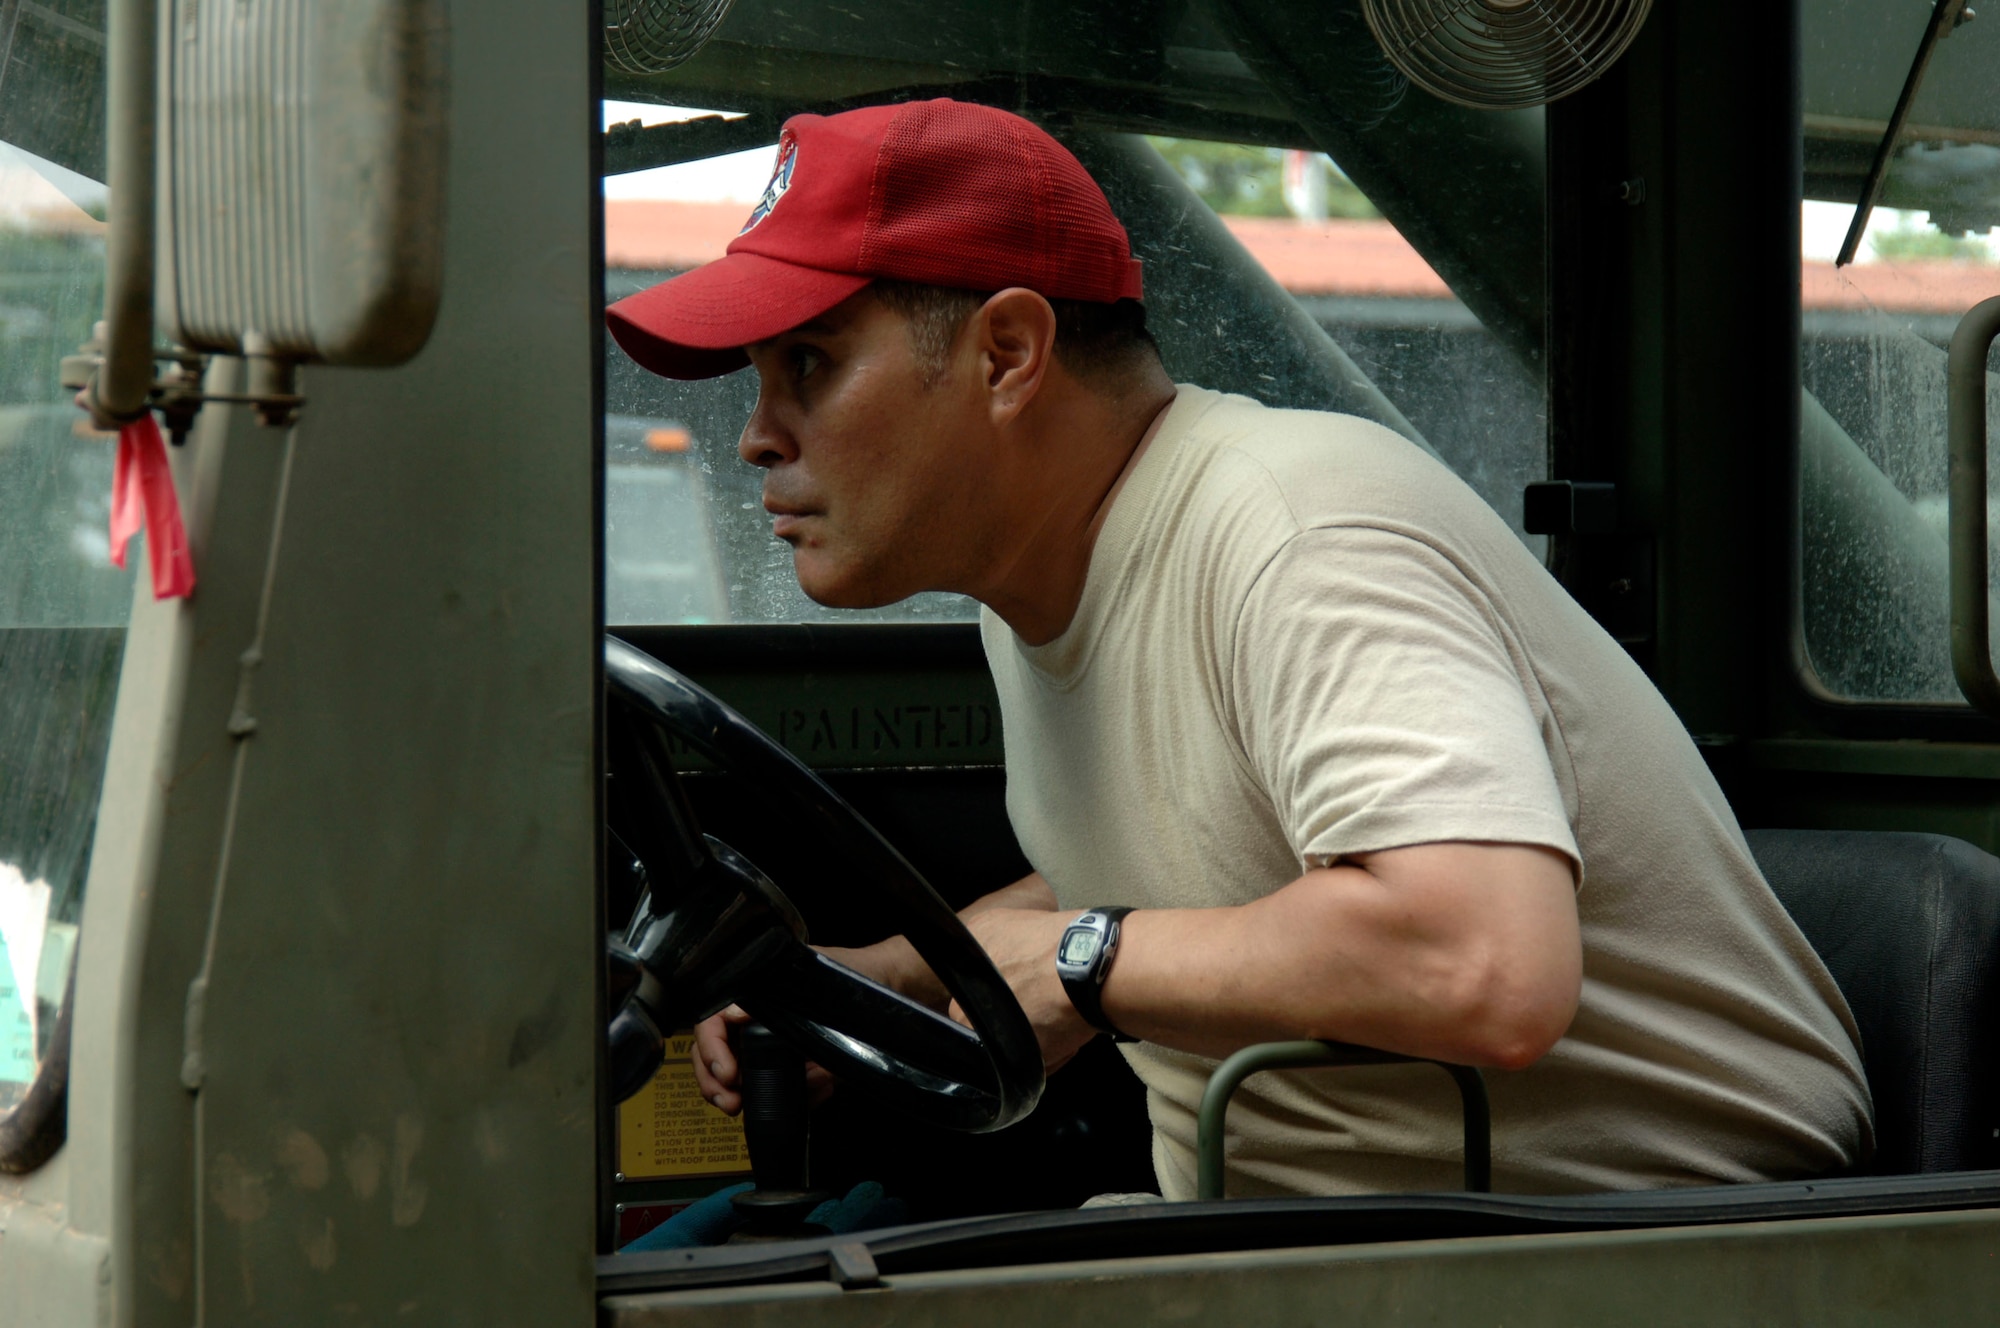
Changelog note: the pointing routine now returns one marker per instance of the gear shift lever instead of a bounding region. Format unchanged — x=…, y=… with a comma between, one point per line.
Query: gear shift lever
x=777, y=1130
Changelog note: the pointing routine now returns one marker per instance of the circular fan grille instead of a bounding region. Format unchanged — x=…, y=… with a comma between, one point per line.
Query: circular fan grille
x=1500, y=54
x=652, y=36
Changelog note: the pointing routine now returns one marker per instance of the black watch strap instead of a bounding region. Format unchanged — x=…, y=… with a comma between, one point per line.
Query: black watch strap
x=1084, y=984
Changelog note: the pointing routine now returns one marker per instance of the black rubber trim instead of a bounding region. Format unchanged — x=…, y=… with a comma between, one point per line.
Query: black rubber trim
x=35, y=1129
x=1152, y=1230
x=811, y=646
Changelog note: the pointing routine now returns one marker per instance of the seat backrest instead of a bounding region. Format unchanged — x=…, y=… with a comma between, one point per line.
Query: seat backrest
x=1909, y=926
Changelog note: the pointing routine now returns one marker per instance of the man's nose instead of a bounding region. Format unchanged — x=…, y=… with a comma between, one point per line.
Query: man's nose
x=765, y=443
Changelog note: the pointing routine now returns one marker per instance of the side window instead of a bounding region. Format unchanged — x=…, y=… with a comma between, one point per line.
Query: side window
x=1873, y=596
x=1284, y=232
x=62, y=606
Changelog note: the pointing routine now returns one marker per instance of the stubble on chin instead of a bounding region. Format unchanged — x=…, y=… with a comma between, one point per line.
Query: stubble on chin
x=855, y=590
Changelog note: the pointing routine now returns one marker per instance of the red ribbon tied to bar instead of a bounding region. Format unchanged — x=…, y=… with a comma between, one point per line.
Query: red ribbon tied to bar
x=142, y=493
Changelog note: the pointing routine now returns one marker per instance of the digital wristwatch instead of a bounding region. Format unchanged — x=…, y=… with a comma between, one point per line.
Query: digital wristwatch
x=1083, y=960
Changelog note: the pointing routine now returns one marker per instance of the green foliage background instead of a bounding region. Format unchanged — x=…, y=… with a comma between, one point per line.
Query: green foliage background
x=1909, y=241
x=1241, y=180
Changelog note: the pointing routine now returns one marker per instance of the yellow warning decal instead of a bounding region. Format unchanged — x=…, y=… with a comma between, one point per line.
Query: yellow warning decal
x=667, y=1129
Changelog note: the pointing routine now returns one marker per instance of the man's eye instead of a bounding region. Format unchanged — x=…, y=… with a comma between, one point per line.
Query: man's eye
x=804, y=360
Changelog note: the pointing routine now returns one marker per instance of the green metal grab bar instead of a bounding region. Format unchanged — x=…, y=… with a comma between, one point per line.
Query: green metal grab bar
x=1965, y=395
x=1229, y=1076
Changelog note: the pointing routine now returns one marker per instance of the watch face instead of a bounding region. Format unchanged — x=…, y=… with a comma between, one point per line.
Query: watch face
x=1080, y=945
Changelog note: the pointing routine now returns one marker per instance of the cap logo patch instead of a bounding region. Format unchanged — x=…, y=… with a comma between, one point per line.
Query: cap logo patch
x=781, y=180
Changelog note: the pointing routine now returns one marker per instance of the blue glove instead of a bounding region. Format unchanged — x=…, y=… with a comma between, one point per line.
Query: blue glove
x=866, y=1207
x=703, y=1222
x=711, y=1221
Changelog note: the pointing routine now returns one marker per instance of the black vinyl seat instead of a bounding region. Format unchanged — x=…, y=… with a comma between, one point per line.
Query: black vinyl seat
x=1909, y=926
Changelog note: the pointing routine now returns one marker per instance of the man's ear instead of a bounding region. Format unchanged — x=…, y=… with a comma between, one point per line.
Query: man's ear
x=1017, y=340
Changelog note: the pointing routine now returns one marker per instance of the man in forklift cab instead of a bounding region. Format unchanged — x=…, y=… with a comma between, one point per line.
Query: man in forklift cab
x=1284, y=702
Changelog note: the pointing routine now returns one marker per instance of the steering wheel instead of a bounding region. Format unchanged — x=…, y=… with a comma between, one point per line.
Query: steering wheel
x=712, y=929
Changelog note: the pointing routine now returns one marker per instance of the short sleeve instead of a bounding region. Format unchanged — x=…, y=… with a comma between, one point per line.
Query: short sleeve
x=1379, y=705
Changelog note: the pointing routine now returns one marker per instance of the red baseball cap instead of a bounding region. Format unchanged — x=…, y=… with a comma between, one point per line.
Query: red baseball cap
x=946, y=193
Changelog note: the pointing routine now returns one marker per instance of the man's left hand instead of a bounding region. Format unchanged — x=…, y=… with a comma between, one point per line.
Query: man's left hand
x=1022, y=944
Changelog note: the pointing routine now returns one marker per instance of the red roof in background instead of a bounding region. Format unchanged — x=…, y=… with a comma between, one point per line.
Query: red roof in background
x=1932, y=286
x=1362, y=259
x=668, y=236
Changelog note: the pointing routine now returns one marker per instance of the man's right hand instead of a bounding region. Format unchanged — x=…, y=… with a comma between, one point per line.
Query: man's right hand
x=715, y=1068
x=714, y=1053
x=894, y=963
x=721, y=1078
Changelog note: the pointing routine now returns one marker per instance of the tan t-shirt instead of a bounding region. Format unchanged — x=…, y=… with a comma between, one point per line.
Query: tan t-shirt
x=1302, y=637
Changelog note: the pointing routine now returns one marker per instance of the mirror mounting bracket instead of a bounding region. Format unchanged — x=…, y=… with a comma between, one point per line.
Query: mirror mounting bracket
x=176, y=391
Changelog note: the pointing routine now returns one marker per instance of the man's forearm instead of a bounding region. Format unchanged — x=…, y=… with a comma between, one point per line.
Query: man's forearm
x=1031, y=891
x=1477, y=968
x=895, y=963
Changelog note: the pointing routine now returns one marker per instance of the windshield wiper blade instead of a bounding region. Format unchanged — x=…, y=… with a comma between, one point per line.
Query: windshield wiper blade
x=1945, y=16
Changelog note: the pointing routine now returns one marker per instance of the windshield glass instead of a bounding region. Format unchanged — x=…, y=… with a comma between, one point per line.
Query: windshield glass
x=62, y=605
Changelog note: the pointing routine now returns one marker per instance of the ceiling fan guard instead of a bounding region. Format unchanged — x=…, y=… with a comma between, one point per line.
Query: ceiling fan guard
x=1503, y=54
x=653, y=36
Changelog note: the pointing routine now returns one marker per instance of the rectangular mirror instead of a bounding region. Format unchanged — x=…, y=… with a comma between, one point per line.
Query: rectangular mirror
x=302, y=177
